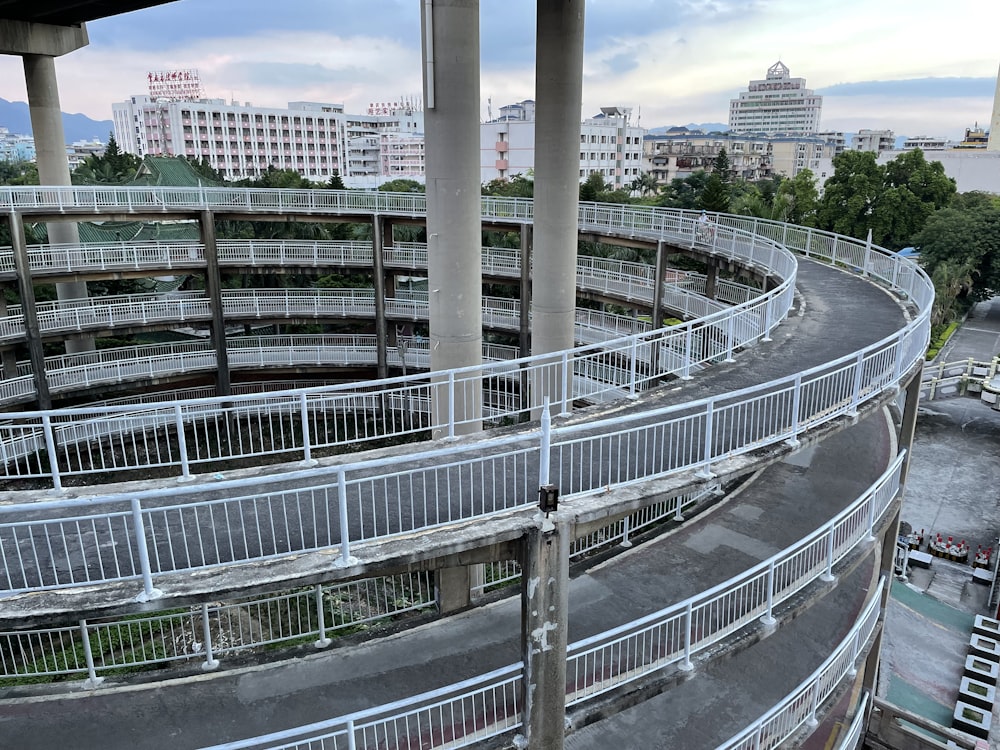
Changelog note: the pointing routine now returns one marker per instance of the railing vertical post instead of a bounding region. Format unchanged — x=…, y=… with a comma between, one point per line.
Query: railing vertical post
x=856, y=389
x=182, y=445
x=546, y=444
x=768, y=618
x=345, y=560
x=730, y=337
x=686, y=665
x=92, y=680
x=793, y=439
x=633, y=373
x=210, y=662
x=809, y=237
x=871, y=514
x=678, y=509
x=828, y=576
x=451, y=404
x=705, y=472
x=812, y=720
x=351, y=742
x=567, y=379
x=149, y=592
x=50, y=448
x=688, y=348
x=323, y=641
x=626, y=527
x=307, y=458
x=768, y=319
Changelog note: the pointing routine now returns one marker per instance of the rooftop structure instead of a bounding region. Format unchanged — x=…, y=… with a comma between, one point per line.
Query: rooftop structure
x=873, y=140
x=776, y=104
x=609, y=145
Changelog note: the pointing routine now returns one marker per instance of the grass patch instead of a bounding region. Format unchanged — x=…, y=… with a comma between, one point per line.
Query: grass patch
x=939, y=337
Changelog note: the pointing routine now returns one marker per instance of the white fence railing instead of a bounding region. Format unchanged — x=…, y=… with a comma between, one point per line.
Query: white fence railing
x=181, y=436
x=250, y=623
x=666, y=638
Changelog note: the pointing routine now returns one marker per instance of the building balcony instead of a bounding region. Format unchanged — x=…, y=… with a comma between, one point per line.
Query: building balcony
x=501, y=164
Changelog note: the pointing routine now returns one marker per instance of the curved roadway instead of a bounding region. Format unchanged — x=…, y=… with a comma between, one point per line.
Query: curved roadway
x=837, y=314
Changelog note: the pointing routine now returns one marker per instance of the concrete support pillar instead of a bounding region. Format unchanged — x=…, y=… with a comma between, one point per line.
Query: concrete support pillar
x=545, y=607
x=213, y=285
x=454, y=225
x=381, y=326
x=53, y=167
x=524, y=339
x=453, y=587
x=711, y=274
x=26, y=290
x=659, y=278
x=908, y=424
x=889, y=535
x=559, y=99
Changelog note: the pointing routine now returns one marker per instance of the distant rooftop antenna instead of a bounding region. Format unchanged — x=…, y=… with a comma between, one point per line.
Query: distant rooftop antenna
x=489, y=108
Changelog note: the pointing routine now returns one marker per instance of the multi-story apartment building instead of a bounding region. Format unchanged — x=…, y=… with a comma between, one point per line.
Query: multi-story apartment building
x=925, y=143
x=681, y=152
x=16, y=147
x=776, y=104
x=315, y=139
x=401, y=155
x=609, y=146
x=78, y=151
x=835, y=137
x=873, y=140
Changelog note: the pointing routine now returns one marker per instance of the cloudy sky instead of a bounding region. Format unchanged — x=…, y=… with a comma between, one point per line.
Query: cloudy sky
x=911, y=65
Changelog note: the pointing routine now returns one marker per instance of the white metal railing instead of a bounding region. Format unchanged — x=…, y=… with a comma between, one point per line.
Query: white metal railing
x=162, y=637
x=621, y=655
x=962, y=374
x=593, y=373
x=210, y=630
x=693, y=436
x=799, y=709
x=83, y=370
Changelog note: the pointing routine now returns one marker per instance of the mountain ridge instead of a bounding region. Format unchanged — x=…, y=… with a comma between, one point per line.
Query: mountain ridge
x=16, y=118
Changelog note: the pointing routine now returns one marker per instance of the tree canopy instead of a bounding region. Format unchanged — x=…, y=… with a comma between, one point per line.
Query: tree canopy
x=114, y=166
x=893, y=201
x=960, y=248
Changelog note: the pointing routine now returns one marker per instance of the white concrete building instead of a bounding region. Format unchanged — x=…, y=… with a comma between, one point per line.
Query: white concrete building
x=609, y=146
x=751, y=157
x=776, y=104
x=314, y=139
x=972, y=169
x=873, y=140
x=925, y=143
x=16, y=146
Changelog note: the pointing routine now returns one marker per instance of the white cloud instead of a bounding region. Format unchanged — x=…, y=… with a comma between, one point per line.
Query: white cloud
x=679, y=60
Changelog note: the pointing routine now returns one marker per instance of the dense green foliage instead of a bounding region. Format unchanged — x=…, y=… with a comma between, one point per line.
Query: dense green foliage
x=113, y=167
x=894, y=201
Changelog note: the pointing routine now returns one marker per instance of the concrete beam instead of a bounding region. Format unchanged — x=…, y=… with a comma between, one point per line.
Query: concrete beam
x=24, y=38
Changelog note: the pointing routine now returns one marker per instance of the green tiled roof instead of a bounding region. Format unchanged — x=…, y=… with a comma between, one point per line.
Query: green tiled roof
x=171, y=172
x=128, y=231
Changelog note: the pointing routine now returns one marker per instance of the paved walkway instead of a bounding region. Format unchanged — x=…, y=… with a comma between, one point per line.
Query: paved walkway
x=792, y=499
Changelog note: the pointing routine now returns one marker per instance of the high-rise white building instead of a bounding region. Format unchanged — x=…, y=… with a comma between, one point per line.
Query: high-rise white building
x=609, y=146
x=776, y=104
x=315, y=139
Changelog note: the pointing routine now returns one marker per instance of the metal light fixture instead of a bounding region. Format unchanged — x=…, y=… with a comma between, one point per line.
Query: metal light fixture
x=548, y=498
